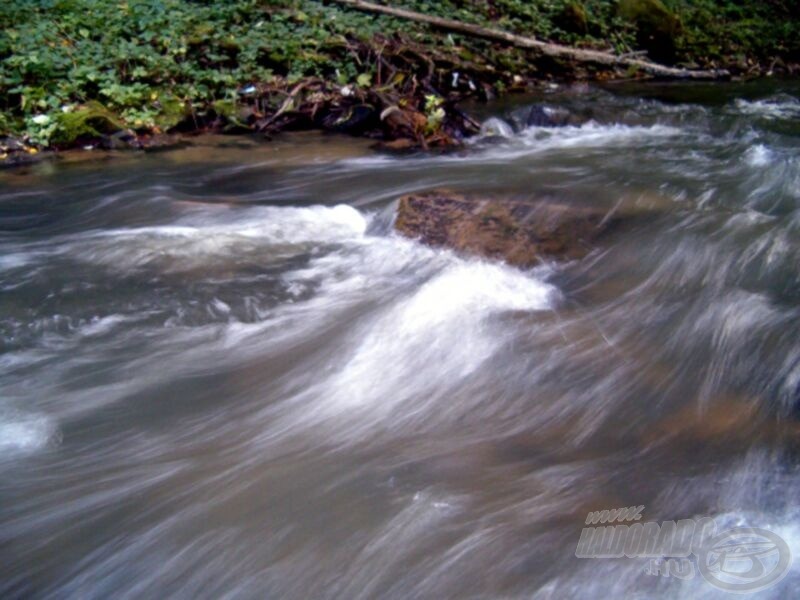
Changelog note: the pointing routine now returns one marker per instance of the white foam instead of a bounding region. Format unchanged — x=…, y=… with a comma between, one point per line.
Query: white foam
x=777, y=107
x=102, y=325
x=368, y=161
x=195, y=241
x=220, y=306
x=13, y=260
x=758, y=156
x=534, y=140
x=409, y=355
x=24, y=433
x=277, y=224
x=594, y=134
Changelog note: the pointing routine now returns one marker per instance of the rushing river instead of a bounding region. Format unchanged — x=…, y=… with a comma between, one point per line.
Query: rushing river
x=223, y=376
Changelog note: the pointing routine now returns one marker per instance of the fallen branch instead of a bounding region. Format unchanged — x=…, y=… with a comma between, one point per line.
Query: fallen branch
x=289, y=102
x=547, y=49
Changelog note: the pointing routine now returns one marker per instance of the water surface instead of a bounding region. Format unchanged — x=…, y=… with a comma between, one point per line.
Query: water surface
x=224, y=376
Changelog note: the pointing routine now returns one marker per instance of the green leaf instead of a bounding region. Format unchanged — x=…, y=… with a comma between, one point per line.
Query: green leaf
x=364, y=80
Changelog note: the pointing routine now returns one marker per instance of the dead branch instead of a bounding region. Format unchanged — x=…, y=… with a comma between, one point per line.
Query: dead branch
x=597, y=57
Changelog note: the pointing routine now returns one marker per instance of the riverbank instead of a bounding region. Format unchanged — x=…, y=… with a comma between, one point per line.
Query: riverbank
x=141, y=74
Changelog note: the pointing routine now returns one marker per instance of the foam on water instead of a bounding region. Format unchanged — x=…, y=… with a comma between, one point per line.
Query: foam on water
x=591, y=135
x=595, y=134
x=758, y=156
x=218, y=234
x=13, y=261
x=429, y=321
x=782, y=106
x=533, y=140
x=22, y=434
x=102, y=325
x=398, y=365
x=438, y=332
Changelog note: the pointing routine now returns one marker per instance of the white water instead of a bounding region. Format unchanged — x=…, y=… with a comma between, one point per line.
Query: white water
x=234, y=380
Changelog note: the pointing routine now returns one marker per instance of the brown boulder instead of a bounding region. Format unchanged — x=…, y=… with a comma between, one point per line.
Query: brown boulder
x=520, y=233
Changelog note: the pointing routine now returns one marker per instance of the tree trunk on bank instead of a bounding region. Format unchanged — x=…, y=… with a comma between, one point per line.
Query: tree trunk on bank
x=557, y=51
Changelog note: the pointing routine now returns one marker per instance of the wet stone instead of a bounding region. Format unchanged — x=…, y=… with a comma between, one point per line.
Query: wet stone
x=519, y=233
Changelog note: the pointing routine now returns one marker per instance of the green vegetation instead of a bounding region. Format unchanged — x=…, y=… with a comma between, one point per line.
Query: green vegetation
x=73, y=68
x=657, y=28
x=726, y=29
x=152, y=62
x=705, y=30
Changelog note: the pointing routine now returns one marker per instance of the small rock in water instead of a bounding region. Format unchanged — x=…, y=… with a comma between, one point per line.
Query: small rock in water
x=495, y=127
x=399, y=145
x=119, y=140
x=548, y=116
x=160, y=141
x=520, y=233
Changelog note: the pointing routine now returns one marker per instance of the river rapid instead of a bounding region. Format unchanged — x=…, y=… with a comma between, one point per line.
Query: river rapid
x=222, y=375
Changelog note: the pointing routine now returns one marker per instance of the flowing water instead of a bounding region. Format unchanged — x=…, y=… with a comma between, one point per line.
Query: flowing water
x=224, y=376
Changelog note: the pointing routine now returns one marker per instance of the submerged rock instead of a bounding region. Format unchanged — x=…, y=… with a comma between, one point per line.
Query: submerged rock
x=159, y=142
x=496, y=128
x=400, y=145
x=15, y=153
x=549, y=116
x=520, y=233
x=120, y=140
